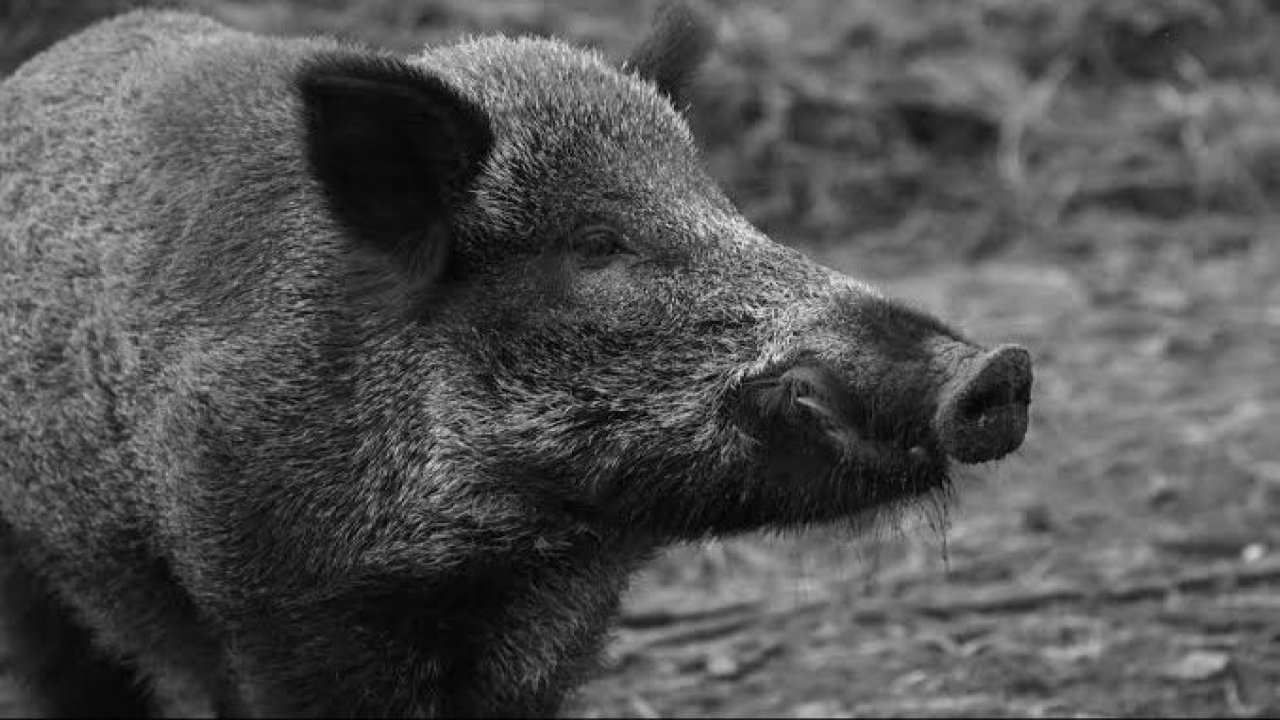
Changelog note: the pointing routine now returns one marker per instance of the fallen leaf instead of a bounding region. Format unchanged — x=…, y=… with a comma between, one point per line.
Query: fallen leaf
x=1199, y=665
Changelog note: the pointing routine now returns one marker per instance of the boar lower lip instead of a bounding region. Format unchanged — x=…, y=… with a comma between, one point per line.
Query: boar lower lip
x=916, y=456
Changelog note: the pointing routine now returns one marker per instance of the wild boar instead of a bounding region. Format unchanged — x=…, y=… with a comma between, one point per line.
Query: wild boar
x=338, y=382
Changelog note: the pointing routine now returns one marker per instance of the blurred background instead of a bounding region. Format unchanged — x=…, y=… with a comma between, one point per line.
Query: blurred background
x=1097, y=180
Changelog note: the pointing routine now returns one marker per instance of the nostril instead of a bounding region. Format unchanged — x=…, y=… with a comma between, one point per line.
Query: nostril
x=986, y=414
x=975, y=405
x=1003, y=379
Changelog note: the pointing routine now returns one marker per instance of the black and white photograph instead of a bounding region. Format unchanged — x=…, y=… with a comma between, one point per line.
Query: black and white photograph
x=652, y=359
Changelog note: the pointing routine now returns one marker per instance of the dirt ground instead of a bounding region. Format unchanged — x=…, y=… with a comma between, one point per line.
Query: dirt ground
x=1096, y=180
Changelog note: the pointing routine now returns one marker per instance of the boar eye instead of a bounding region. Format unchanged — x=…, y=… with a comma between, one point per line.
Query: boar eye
x=597, y=243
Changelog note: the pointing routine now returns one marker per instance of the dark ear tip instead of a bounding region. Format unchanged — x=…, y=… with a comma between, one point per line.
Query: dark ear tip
x=695, y=16
x=332, y=70
x=683, y=33
x=694, y=23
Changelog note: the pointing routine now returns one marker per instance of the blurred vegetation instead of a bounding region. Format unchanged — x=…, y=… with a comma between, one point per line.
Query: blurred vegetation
x=951, y=129
x=1096, y=179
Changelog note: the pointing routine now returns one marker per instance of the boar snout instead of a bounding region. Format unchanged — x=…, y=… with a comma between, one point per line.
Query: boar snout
x=971, y=407
x=983, y=410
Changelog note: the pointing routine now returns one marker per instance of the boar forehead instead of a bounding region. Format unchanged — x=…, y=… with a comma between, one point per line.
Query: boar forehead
x=530, y=84
x=574, y=135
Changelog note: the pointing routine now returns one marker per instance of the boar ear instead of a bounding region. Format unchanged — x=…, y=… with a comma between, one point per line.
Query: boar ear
x=393, y=149
x=681, y=38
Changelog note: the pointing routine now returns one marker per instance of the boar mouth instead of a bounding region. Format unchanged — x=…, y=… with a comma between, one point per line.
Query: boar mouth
x=811, y=424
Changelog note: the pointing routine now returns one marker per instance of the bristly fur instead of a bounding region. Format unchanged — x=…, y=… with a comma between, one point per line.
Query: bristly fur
x=301, y=424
